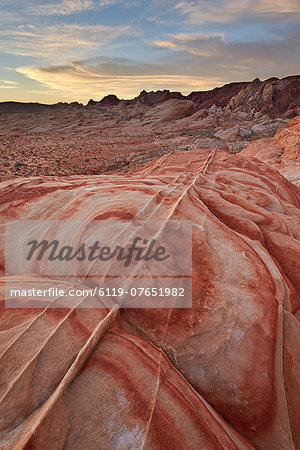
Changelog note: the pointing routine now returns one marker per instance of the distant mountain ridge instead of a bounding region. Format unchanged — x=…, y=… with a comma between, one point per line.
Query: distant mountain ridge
x=33, y=107
x=275, y=97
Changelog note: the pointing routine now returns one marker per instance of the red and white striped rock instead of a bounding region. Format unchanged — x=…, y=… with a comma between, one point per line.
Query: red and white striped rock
x=222, y=374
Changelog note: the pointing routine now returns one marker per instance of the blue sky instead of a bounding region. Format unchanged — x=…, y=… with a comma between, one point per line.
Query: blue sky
x=80, y=49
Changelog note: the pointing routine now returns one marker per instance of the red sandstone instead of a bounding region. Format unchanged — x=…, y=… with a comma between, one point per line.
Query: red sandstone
x=223, y=374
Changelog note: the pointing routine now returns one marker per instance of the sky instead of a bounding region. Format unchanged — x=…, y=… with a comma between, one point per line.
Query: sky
x=74, y=50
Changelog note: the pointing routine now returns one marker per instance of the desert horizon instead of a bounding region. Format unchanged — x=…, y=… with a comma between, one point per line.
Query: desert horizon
x=113, y=134
x=161, y=89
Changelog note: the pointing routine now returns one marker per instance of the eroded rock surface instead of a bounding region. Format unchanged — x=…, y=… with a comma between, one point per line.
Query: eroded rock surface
x=281, y=151
x=273, y=97
x=222, y=374
x=119, y=136
x=113, y=134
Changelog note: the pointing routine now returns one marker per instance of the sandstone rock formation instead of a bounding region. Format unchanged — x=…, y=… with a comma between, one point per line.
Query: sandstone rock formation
x=154, y=98
x=210, y=121
x=219, y=96
x=233, y=133
x=72, y=140
x=268, y=125
x=171, y=110
x=107, y=101
x=281, y=151
x=274, y=97
x=223, y=374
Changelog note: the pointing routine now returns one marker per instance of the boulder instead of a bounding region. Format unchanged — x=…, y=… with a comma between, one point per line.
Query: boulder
x=244, y=132
x=228, y=134
x=171, y=110
x=201, y=114
x=268, y=125
x=209, y=122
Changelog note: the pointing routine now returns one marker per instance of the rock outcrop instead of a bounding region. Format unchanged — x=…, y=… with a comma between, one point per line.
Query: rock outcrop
x=107, y=101
x=281, y=151
x=219, y=96
x=233, y=133
x=115, y=135
x=223, y=374
x=154, y=98
x=274, y=97
x=171, y=110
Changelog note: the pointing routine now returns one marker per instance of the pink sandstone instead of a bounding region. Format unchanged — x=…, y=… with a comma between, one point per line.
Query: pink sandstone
x=223, y=374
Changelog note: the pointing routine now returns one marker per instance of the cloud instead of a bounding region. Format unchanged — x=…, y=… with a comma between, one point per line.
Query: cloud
x=278, y=6
x=215, y=51
x=200, y=44
x=67, y=7
x=60, y=40
x=123, y=77
x=204, y=11
x=108, y=2
x=9, y=83
x=5, y=86
x=191, y=61
x=63, y=8
x=218, y=43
